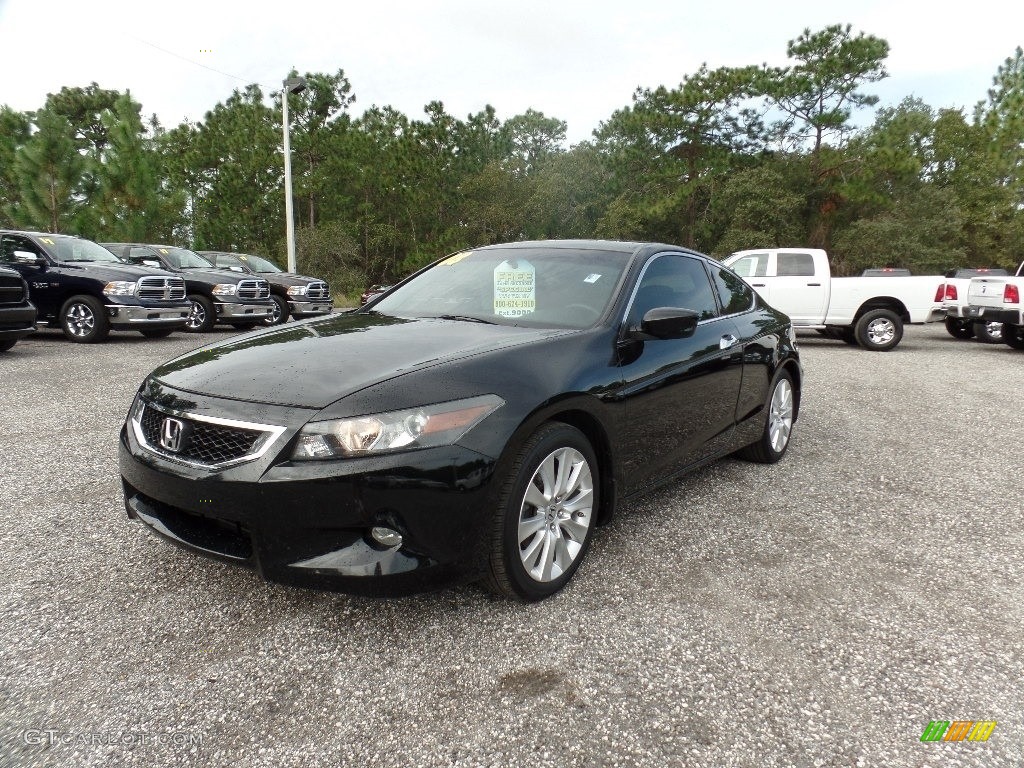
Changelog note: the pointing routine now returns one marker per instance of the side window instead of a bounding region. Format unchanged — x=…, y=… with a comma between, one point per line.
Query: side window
x=11, y=243
x=735, y=295
x=795, y=265
x=674, y=281
x=754, y=265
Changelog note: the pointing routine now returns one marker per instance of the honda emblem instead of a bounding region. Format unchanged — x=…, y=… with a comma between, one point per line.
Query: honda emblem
x=171, y=433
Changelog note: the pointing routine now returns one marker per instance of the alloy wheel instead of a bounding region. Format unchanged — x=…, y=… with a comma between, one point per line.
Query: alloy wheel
x=780, y=415
x=80, y=320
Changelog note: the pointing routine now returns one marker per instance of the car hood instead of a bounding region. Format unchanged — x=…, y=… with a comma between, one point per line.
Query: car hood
x=109, y=270
x=314, y=364
x=287, y=278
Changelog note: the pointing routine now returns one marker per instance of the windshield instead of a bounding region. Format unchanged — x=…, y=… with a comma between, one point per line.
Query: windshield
x=181, y=258
x=258, y=263
x=64, y=248
x=544, y=287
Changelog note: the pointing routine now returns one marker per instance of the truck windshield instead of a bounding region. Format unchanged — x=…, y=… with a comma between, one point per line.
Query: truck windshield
x=65, y=248
x=182, y=258
x=258, y=263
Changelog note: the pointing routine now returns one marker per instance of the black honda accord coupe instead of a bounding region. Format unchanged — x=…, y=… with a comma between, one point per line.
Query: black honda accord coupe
x=476, y=423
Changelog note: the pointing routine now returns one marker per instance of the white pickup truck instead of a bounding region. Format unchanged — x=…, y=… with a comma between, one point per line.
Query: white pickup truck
x=998, y=300
x=869, y=311
x=954, y=304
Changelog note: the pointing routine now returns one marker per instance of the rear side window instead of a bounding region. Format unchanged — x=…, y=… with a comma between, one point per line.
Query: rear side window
x=795, y=265
x=754, y=265
x=735, y=295
x=674, y=281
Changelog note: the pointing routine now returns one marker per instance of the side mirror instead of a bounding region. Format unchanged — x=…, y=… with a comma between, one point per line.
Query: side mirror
x=669, y=323
x=152, y=263
x=29, y=258
x=236, y=268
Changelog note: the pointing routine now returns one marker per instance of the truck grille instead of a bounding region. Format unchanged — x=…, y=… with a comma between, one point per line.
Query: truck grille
x=204, y=442
x=253, y=289
x=162, y=288
x=12, y=289
x=318, y=291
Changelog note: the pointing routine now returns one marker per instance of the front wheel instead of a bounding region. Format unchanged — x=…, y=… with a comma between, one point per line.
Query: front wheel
x=84, y=320
x=988, y=333
x=280, y=313
x=778, y=426
x=958, y=329
x=203, y=315
x=1013, y=335
x=547, y=509
x=879, y=330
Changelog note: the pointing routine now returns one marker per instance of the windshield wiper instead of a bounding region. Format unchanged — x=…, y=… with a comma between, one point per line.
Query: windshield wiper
x=467, y=318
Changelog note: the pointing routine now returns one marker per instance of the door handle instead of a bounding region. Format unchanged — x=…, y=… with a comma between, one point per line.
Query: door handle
x=727, y=341
x=815, y=285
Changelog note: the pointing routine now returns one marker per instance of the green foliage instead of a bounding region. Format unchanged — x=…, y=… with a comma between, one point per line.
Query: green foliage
x=729, y=158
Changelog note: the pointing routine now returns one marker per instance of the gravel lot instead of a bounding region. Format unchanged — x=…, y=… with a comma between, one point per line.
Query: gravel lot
x=814, y=613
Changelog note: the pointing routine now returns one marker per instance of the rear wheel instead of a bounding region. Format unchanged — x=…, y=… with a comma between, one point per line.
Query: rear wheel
x=5, y=345
x=84, y=320
x=1013, y=335
x=988, y=333
x=547, y=508
x=879, y=330
x=959, y=329
x=778, y=426
x=203, y=315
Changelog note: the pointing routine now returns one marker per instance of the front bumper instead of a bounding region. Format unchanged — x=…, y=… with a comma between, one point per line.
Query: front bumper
x=309, y=523
x=235, y=311
x=17, y=321
x=996, y=315
x=124, y=316
x=310, y=308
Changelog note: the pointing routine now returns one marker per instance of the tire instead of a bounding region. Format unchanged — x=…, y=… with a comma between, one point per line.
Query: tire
x=203, y=315
x=1013, y=336
x=879, y=330
x=281, y=313
x=157, y=333
x=6, y=345
x=988, y=333
x=84, y=320
x=534, y=550
x=778, y=424
x=959, y=329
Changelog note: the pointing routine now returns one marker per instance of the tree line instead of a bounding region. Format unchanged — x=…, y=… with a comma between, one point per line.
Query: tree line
x=729, y=158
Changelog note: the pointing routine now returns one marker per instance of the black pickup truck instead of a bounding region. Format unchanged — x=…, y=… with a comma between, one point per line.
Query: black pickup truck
x=294, y=295
x=17, y=315
x=86, y=291
x=217, y=295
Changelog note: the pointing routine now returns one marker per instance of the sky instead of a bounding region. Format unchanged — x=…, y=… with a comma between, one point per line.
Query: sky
x=575, y=60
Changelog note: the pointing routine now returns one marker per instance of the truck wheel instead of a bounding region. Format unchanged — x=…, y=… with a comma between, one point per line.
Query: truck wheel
x=1013, y=335
x=157, y=333
x=203, y=315
x=958, y=329
x=5, y=345
x=879, y=330
x=988, y=333
x=280, y=314
x=84, y=320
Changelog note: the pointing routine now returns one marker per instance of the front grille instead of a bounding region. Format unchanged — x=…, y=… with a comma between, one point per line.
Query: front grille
x=12, y=289
x=203, y=442
x=253, y=289
x=162, y=288
x=318, y=291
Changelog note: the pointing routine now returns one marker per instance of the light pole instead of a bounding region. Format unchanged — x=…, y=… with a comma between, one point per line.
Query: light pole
x=291, y=85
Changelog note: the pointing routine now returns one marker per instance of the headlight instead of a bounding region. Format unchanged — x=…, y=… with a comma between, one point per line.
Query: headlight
x=429, y=425
x=225, y=289
x=297, y=290
x=120, y=288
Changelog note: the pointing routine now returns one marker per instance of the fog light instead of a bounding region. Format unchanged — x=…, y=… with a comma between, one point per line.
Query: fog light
x=386, y=536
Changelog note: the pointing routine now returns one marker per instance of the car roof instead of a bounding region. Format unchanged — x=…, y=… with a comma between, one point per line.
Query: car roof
x=625, y=247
